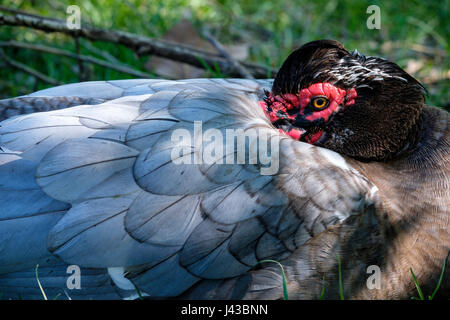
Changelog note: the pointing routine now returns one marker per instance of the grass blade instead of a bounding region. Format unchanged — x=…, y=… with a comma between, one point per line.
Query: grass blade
x=341, y=287
x=67, y=295
x=138, y=291
x=322, y=293
x=39, y=283
x=283, y=275
x=213, y=73
x=417, y=285
x=440, y=279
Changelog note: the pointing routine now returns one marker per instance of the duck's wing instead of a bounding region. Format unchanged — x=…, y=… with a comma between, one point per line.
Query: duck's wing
x=123, y=186
x=70, y=95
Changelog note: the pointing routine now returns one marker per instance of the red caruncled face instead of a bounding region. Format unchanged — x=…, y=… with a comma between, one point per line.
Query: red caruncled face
x=302, y=116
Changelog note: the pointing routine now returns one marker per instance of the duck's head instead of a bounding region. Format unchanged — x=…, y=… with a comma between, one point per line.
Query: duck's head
x=364, y=107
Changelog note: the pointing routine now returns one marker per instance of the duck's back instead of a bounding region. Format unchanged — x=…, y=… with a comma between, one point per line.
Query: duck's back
x=91, y=186
x=415, y=192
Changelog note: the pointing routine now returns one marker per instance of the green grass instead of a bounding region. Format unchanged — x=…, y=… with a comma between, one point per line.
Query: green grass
x=271, y=29
x=341, y=287
x=284, y=283
x=39, y=283
x=41, y=288
x=283, y=276
x=138, y=291
x=44, y=295
x=419, y=290
x=414, y=279
x=322, y=293
x=211, y=72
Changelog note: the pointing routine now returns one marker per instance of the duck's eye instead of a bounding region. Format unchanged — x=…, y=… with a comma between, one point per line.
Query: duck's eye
x=319, y=102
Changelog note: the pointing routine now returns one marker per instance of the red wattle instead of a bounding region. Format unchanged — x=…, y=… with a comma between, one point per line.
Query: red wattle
x=314, y=138
x=291, y=107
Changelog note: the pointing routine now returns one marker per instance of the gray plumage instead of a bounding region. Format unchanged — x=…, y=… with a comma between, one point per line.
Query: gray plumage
x=93, y=185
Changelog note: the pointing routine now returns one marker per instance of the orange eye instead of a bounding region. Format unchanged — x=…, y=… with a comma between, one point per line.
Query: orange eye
x=319, y=102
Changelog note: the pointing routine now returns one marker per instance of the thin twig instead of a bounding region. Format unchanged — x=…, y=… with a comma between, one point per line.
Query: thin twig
x=20, y=66
x=416, y=48
x=428, y=50
x=223, y=52
x=141, y=45
x=16, y=11
x=81, y=70
x=37, y=47
x=104, y=54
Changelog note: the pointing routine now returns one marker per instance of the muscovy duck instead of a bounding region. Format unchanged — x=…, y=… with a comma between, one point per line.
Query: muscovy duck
x=362, y=178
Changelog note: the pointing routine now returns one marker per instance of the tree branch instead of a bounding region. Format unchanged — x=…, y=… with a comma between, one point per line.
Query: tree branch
x=60, y=52
x=141, y=45
x=20, y=66
x=241, y=69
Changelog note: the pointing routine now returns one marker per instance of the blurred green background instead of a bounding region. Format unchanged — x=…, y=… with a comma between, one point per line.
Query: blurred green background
x=414, y=34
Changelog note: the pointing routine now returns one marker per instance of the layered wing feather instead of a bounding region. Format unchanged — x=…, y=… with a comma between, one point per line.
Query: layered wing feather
x=133, y=183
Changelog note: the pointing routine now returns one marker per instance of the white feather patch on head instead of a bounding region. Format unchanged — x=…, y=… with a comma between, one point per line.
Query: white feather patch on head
x=352, y=71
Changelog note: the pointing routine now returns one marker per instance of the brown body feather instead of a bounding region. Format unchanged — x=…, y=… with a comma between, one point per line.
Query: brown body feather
x=409, y=228
x=415, y=192
x=385, y=202
x=400, y=146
